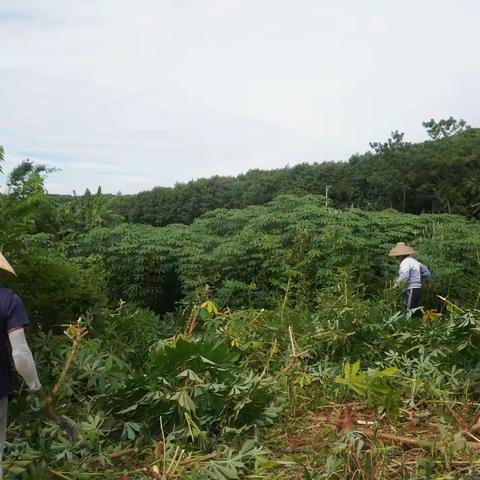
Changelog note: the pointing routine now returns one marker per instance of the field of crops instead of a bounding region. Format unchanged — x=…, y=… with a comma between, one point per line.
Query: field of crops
x=261, y=343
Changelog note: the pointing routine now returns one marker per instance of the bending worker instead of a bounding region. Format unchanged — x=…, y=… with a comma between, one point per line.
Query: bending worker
x=13, y=319
x=411, y=275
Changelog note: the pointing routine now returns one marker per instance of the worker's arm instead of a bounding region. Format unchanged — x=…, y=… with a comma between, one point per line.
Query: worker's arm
x=23, y=359
x=22, y=356
x=425, y=275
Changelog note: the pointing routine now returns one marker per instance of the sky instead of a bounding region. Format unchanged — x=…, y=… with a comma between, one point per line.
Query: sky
x=132, y=95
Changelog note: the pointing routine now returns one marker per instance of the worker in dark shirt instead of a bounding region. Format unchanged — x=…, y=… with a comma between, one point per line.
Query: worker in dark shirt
x=13, y=319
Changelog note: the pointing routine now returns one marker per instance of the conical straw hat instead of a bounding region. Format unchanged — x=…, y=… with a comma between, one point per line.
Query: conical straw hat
x=401, y=249
x=5, y=267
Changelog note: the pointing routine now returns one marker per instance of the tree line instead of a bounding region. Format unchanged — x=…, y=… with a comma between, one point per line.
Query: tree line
x=440, y=175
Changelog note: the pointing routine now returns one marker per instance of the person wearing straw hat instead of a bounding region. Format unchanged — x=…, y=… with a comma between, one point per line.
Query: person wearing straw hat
x=13, y=319
x=411, y=275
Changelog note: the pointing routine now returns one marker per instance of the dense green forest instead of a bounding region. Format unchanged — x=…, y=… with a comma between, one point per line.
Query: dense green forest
x=262, y=339
x=440, y=175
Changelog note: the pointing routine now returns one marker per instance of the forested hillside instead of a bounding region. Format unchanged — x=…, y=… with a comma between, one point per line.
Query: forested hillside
x=261, y=342
x=440, y=175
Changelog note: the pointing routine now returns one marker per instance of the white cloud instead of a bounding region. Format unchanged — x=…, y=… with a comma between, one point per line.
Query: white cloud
x=133, y=95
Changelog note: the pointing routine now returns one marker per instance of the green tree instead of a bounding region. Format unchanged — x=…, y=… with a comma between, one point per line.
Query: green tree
x=445, y=128
x=395, y=142
x=84, y=213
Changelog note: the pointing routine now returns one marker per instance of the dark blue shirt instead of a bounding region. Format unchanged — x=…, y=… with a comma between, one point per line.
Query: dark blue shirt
x=12, y=315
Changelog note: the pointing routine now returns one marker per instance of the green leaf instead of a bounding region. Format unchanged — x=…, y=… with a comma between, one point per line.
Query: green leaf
x=184, y=400
x=211, y=307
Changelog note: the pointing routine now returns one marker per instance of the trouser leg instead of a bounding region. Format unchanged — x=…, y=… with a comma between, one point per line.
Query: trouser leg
x=3, y=429
x=413, y=299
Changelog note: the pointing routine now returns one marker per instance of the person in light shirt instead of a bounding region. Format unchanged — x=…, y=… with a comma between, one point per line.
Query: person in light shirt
x=411, y=275
x=13, y=319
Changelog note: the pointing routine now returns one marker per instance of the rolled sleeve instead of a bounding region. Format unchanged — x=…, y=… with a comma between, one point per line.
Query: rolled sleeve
x=425, y=274
x=17, y=315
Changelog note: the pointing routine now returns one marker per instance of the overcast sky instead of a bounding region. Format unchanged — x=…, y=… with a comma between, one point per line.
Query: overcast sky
x=134, y=94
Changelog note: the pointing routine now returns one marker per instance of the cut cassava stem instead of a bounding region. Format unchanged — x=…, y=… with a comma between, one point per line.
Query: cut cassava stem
x=75, y=333
x=192, y=320
x=413, y=442
x=117, y=454
x=396, y=438
x=292, y=342
x=203, y=458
